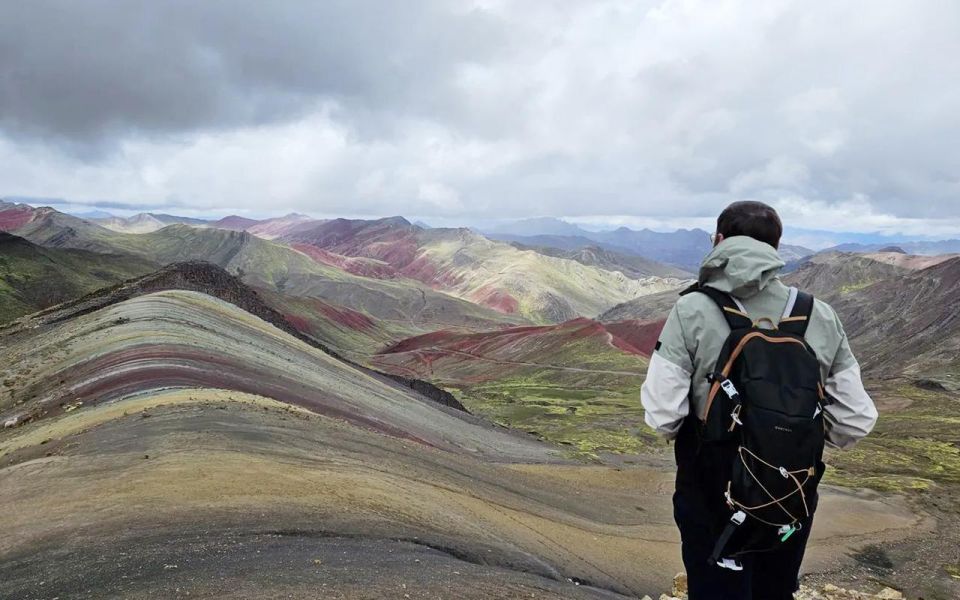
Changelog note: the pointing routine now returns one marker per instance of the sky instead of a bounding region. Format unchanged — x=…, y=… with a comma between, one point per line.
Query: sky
x=842, y=115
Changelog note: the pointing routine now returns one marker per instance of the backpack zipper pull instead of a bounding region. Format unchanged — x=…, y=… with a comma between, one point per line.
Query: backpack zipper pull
x=735, y=415
x=787, y=530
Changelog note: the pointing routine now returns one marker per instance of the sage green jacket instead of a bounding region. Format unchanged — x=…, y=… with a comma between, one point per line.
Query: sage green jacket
x=695, y=331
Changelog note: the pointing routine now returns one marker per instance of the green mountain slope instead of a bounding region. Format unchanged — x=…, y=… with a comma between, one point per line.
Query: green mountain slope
x=33, y=277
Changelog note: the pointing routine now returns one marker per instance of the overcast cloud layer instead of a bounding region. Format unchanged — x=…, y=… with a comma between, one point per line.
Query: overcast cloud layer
x=842, y=114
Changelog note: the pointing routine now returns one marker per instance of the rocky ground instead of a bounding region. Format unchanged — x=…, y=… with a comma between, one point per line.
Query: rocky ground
x=806, y=592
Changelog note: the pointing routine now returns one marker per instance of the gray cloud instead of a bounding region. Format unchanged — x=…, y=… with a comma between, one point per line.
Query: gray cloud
x=844, y=112
x=88, y=72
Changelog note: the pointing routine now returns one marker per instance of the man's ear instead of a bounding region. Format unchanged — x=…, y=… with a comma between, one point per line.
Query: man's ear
x=718, y=239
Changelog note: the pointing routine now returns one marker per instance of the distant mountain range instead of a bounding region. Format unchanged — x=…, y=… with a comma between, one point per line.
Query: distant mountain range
x=684, y=248
x=930, y=248
x=543, y=288
x=144, y=222
x=630, y=265
x=385, y=267
x=148, y=222
x=538, y=226
x=262, y=263
x=264, y=228
x=398, y=279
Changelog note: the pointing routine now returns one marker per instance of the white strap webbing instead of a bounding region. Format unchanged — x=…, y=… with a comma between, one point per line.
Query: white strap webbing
x=791, y=301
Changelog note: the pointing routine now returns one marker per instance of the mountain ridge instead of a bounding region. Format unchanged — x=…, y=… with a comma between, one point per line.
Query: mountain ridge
x=265, y=264
x=468, y=265
x=211, y=280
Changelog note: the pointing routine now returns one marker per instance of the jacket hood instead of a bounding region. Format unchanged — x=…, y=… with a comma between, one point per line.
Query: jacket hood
x=741, y=266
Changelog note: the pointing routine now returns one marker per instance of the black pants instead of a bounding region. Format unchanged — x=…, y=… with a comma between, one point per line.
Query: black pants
x=701, y=514
x=765, y=576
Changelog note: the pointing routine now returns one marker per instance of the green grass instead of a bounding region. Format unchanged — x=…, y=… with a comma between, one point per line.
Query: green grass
x=579, y=391
x=853, y=287
x=589, y=421
x=911, y=449
x=32, y=278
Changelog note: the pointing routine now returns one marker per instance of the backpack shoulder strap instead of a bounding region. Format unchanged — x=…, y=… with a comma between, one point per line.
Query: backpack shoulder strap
x=736, y=318
x=796, y=317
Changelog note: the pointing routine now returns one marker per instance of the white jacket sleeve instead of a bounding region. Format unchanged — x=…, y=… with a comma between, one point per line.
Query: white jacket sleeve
x=852, y=414
x=666, y=390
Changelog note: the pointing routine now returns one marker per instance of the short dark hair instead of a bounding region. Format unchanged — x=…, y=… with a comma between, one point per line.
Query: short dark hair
x=752, y=219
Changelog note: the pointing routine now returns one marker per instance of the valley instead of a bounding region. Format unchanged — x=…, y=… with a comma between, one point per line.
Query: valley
x=378, y=409
x=575, y=384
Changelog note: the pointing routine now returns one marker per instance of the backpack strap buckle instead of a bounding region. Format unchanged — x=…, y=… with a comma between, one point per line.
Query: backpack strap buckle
x=736, y=520
x=729, y=389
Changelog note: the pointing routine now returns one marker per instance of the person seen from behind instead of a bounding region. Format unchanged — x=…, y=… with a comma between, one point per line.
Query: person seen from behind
x=750, y=378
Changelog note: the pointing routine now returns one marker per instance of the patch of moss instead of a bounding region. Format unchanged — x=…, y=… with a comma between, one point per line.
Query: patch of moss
x=853, y=287
x=894, y=483
x=589, y=421
x=910, y=449
x=909, y=457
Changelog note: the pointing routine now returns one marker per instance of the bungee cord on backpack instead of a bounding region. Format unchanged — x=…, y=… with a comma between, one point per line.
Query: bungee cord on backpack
x=750, y=510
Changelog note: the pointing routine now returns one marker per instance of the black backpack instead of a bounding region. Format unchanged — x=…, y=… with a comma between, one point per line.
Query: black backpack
x=764, y=418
